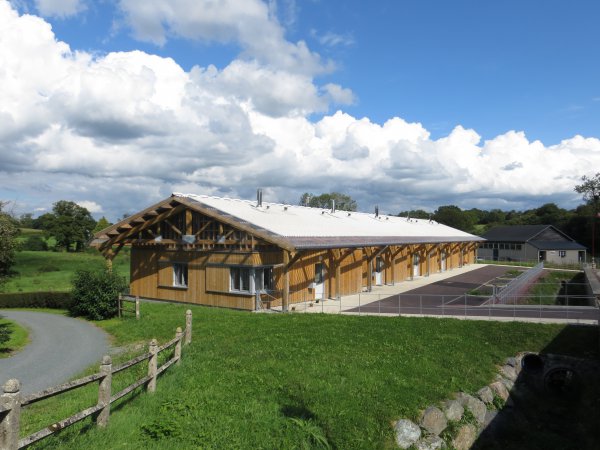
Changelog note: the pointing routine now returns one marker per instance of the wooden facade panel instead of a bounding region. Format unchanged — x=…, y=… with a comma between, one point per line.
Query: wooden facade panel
x=217, y=279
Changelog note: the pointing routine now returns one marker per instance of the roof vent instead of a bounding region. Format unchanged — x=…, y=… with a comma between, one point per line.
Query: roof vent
x=349, y=214
x=258, y=198
x=332, y=206
x=377, y=211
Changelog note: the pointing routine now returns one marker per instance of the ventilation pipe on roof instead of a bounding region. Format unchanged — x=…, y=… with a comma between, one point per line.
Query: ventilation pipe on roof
x=332, y=206
x=307, y=200
x=258, y=198
x=376, y=210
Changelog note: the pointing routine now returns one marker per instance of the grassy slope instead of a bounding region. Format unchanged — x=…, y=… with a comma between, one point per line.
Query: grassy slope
x=52, y=271
x=288, y=381
x=19, y=338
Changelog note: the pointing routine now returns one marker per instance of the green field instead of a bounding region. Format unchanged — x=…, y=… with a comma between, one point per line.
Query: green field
x=547, y=290
x=19, y=338
x=53, y=271
x=286, y=381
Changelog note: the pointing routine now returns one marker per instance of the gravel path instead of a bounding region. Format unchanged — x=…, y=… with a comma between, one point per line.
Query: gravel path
x=60, y=347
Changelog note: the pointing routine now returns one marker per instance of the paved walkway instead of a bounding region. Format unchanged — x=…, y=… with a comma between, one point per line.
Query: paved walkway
x=60, y=348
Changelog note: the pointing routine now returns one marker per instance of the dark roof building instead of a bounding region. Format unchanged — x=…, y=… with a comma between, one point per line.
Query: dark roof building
x=531, y=243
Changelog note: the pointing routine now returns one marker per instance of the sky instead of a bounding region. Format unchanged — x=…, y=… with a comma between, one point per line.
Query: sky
x=405, y=104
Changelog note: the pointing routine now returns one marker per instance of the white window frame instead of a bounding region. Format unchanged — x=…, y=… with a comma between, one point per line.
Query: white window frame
x=238, y=273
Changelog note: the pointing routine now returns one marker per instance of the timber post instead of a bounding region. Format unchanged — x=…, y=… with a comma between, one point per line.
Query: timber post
x=152, y=365
x=10, y=418
x=137, y=307
x=119, y=304
x=188, y=327
x=104, y=391
x=179, y=336
x=286, y=282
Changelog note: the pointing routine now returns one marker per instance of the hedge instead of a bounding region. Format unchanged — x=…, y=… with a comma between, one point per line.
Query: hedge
x=58, y=300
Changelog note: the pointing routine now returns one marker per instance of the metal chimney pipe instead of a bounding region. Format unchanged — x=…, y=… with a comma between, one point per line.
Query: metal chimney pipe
x=259, y=197
x=332, y=206
x=376, y=210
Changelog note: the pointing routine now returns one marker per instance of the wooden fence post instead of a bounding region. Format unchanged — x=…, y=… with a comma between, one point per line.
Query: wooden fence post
x=104, y=391
x=10, y=423
x=152, y=365
x=119, y=304
x=137, y=307
x=188, y=326
x=179, y=336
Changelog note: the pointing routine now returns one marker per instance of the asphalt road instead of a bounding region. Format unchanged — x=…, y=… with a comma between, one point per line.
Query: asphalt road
x=60, y=347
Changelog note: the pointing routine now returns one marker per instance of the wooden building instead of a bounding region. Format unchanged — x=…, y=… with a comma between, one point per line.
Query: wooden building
x=247, y=254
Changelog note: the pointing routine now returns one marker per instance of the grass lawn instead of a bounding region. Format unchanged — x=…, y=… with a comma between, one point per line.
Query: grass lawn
x=19, y=337
x=53, y=271
x=270, y=381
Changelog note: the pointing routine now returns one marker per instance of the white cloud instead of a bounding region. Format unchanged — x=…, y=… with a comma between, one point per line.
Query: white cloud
x=126, y=129
x=91, y=206
x=59, y=8
x=247, y=23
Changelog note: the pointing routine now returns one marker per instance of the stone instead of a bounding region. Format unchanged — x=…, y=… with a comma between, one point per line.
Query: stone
x=489, y=417
x=499, y=389
x=486, y=395
x=512, y=362
x=465, y=437
x=508, y=372
x=453, y=410
x=407, y=433
x=433, y=420
x=431, y=442
x=508, y=384
x=477, y=407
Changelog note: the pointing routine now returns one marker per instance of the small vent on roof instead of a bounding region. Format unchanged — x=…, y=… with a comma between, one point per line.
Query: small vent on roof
x=349, y=214
x=285, y=208
x=332, y=206
x=377, y=211
x=258, y=198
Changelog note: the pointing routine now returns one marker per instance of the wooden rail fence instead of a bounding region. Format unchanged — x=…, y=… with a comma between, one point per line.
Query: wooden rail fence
x=121, y=309
x=11, y=401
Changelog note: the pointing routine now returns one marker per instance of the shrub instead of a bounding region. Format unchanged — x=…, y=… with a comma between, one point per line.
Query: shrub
x=59, y=300
x=35, y=243
x=95, y=294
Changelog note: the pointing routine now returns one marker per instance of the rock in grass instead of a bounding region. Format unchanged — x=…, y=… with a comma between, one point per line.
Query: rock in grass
x=453, y=410
x=434, y=420
x=486, y=395
x=508, y=372
x=465, y=437
x=407, y=433
x=431, y=442
x=500, y=389
x=477, y=407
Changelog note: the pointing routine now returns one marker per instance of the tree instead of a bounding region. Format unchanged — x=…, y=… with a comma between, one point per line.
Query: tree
x=70, y=224
x=8, y=244
x=415, y=214
x=343, y=202
x=453, y=216
x=101, y=224
x=590, y=188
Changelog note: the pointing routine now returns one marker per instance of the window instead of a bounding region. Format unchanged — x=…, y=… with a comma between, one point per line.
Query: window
x=180, y=274
x=250, y=279
x=319, y=275
x=519, y=247
x=562, y=253
x=240, y=279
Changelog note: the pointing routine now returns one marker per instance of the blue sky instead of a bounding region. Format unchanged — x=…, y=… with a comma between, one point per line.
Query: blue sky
x=408, y=104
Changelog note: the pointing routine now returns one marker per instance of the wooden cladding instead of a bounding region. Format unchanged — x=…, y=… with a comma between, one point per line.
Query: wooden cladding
x=345, y=271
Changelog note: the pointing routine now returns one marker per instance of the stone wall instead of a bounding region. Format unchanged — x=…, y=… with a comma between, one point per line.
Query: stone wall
x=526, y=388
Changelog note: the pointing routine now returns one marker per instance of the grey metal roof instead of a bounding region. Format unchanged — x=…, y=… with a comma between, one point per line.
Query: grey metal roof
x=556, y=245
x=514, y=233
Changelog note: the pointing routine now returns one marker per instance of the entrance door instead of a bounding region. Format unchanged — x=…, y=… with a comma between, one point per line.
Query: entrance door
x=542, y=255
x=443, y=261
x=495, y=255
x=416, y=261
x=378, y=271
x=319, y=285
